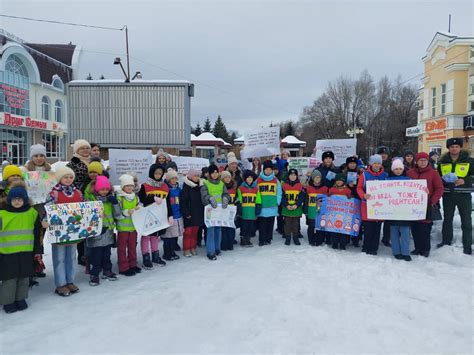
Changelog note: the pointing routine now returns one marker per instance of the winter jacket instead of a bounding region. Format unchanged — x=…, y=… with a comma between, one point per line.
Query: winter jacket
x=127, y=203
x=80, y=170
x=111, y=212
x=293, y=195
x=236, y=176
x=463, y=167
x=433, y=183
x=310, y=207
x=368, y=175
x=271, y=194
x=282, y=165
x=173, y=200
x=20, y=264
x=344, y=191
x=324, y=171
x=190, y=203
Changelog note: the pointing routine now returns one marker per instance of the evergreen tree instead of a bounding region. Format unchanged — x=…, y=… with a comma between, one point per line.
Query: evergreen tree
x=219, y=130
x=290, y=129
x=197, y=130
x=207, y=125
x=233, y=137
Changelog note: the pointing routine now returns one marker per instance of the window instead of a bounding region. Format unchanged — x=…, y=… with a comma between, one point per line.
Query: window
x=433, y=102
x=58, y=111
x=436, y=148
x=471, y=106
x=57, y=82
x=443, y=99
x=14, y=96
x=472, y=90
x=53, y=145
x=14, y=146
x=45, y=108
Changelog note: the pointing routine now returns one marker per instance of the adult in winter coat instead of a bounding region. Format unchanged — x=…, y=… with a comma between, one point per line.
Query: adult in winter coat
x=80, y=162
x=421, y=230
x=233, y=168
x=192, y=210
x=458, y=166
x=327, y=169
x=408, y=159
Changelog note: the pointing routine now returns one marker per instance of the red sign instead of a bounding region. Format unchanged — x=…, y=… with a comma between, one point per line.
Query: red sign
x=436, y=125
x=15, y=121
x=15, y=97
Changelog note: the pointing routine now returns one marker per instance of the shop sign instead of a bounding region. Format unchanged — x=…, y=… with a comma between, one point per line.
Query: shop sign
x=436, y=136
x=413, y=131
x=15, y=121
x=436, y=125
x=468, y=123
x=15, y=97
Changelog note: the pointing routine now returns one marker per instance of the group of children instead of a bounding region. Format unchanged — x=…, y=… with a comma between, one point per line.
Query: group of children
x=259, y=198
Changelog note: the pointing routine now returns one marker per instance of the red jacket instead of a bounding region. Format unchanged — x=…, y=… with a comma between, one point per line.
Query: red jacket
x=345, y=191
x=433, y=182
x=381, y=175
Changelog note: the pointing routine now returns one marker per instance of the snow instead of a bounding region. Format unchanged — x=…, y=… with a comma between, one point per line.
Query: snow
x=208, y=136
x=292, y=140
x=122, y=81
x=260, y=300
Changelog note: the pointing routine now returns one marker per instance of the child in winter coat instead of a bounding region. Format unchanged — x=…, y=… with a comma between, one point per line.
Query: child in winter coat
x=400, y=230
x=64, y=254
x=271, y=194
x=339, y=240
x=154, y=190
x=99, y=248
x=292, y=206
x=170, y=238
x=127, y=235
x=314, y=192
x=228, y=233
x=192, y=210
x=250, y=203
x=372, y=228
x=93, y=170
x=19, y=241
x=214, y=192
x=352, y=170
x=11, y=173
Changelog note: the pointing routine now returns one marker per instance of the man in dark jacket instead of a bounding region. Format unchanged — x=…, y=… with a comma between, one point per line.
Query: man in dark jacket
x=457, y=169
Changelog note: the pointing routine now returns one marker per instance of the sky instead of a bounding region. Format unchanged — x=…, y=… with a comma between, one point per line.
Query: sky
x=252, y=62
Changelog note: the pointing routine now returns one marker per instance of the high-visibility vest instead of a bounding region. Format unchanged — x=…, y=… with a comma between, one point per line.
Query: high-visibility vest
x=460, y=169
x=268, y=192
x=17, y=234
x=125, y=224
x=215, y=190
x=292, y=194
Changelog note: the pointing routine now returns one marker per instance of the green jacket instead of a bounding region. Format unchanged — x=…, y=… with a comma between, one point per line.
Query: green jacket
x=462, y=167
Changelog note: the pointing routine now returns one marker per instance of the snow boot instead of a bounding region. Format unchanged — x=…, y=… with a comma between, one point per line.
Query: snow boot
x=10, y=308
x=21, y=305
x=129, y=272
x=72, y=288
x=355, y=243
x=467, y=251
x=296, y=240
x=399, y=257
x=218, y=252
x=136, y=269
x=415, y=252
x=109, y=275
x=426, y=253
x=147, y=264
x=94, y=281
x=406, y=257
x=155, y=258
x=194, y=252
x=288, y=240
x=211, y=257
x=442, y=244
x=386, y=243
x=62, y=291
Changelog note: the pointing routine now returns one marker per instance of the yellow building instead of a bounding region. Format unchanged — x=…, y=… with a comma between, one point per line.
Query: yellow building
x=446, y=97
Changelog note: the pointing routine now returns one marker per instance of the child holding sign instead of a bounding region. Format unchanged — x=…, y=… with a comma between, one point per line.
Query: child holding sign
x=314, y=191
x=249, y=207
x=339, y=240
x=228, y=233
x=176, y=228
x=292, y=206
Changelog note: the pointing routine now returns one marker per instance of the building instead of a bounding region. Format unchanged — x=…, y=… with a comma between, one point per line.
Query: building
x=293, y=145
x=446, y=97
x=141, y=114
x=33, y=104
x=206, y=145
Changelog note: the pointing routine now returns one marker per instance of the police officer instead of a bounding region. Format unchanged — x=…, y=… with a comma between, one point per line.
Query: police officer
x=457, y=169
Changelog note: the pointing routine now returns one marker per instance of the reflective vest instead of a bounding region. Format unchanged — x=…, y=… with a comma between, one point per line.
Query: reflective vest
x=108, y=220
x=215, y=190
x=248, y=201
x=233, y=196
x=125, y=224
x=460, y=169
x=17, y=235
x=269, y=192
x=313, y=192
x=292, y=194
x=159, y=191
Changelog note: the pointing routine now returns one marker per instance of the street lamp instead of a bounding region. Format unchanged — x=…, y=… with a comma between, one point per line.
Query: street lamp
x=137, y=75
x=118, y=61
x=354, y=131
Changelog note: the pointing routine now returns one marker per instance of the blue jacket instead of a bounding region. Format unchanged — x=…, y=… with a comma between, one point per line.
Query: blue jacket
x=271, y=211
x=173, y=198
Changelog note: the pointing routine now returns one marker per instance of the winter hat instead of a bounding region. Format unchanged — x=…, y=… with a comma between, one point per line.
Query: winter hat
x=408, y=152
x=231, y=159
x=204, y=170
x=80, y=143
x=327, y=154
x=212, y=169
x=267, y=164
x=276, y=167
x=172, y=165
x=351, y=160
x=162, y=153
x=421, y=155
x=95, y=167
x=153, y=168
x=192, y=173
x=285, y=151
x=248, y=173
x=125, y=180
x=102, y=183
x=225, y=174
x=397, y=163
x=37, y=149
x=453, y=141
x=292, y=171
x=170, y=174
x=11, y=170
x=315, y=173
x=63, y=171
x=18, y=192
x=376, y=158
x=340, y=177
x=383, y=149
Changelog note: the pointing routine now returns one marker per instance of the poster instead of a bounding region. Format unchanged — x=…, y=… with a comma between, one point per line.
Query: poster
x=305, y=167
x=150, y=219
x=70, y=222
x=351, y=178
x=187, y=163
x=397, y=200
x=123, y=161
x=220, y=217
x=342, y=148
x=39, y=184
x=339, y=214
x=262, y=143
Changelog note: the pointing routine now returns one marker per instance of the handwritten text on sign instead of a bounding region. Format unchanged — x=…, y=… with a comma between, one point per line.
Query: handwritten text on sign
x=339, y=214
x=123, y=161
x=397, y=200
x=262, y=143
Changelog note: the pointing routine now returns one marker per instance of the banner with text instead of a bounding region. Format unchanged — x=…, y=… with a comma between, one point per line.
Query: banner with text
x=305, y=167
x=123, y=161
x=220, y=217
x=262, y=143
x=342, y=148
x=339, y=214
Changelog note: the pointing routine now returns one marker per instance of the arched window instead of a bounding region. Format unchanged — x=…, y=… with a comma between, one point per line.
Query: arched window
x=57, y=82
x=58, y=111
x=15, y=65
x=16, y=75
x=45, y=108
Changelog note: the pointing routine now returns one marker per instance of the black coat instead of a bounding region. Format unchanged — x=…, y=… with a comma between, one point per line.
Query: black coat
x=80, y=170
x=324, y=171
x=191, y=204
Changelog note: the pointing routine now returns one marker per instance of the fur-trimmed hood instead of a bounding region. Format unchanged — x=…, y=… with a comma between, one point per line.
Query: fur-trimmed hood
x=191, y=183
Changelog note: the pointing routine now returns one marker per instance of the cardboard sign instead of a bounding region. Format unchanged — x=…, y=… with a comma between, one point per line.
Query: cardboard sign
x=342, y=148
x=69, y=222
x=151, y=219
x=124, y=161
x=187, y=163
x=220, y=217
x=397, y=200
x=262, y=143
x=339, y=214
x=39, y=184
x=305, y=167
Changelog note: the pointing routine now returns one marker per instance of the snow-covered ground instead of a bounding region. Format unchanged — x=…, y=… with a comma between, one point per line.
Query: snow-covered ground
x=274, y=299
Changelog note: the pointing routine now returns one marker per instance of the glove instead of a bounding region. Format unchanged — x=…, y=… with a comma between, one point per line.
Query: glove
x=225, y=202
x=213, y=202
x=450, y=178
x=170, y=220
x=112, y=199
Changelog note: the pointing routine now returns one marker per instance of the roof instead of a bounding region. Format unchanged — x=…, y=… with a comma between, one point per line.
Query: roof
x=239, y=140
x=61, y=52
x=207, y=138
x=107, y=82
x=446, y=39
x=292, y=140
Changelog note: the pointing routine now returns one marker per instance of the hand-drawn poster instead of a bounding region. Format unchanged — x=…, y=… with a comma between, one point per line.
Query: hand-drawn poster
x=339, y=214
x=39, y=184
x=220, y=217
x=150, y=219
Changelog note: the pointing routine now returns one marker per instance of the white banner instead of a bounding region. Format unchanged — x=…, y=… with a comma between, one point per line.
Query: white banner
x=305, y=166
x=39, y=184
x=123, y=161
x=220, y=217
x=150, y=219
x=187, y=163
x=342, y=148
x=397, y=200
x=262, y=143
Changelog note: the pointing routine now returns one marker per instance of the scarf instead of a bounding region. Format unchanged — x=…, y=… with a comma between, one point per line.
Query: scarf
x=154, y=183
x=81, y=158
x=129, y=197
